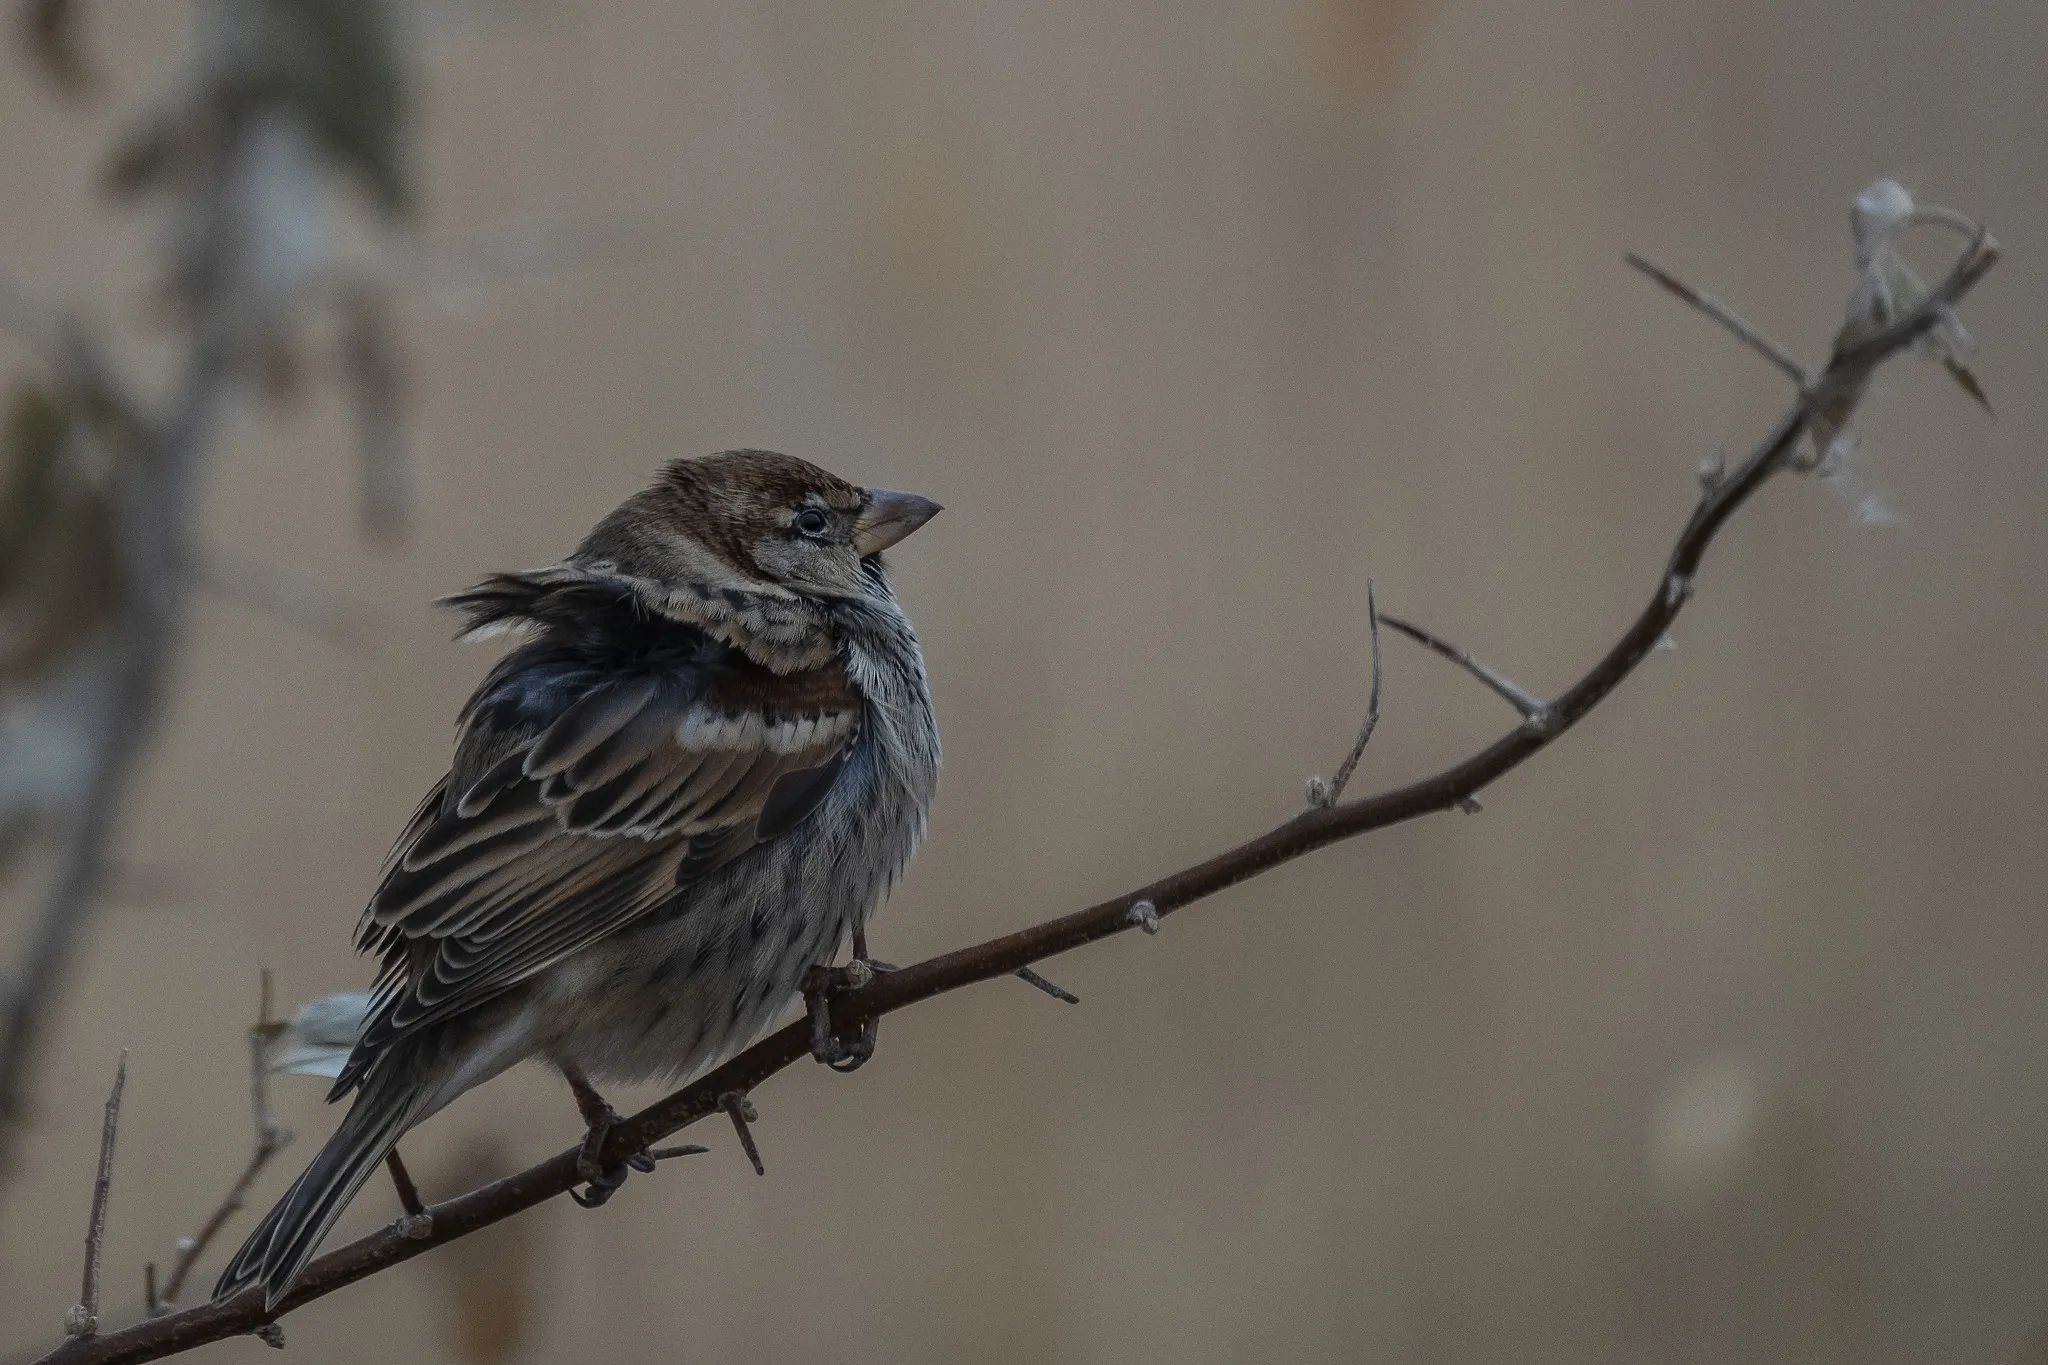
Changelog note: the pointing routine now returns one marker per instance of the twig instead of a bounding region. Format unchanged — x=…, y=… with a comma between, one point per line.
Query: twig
x=1322, y=794
x=271, y=1138
x=1025, y=974
x=84, y=1318
x=1450, y=789
x=1727, y=317
x=1536, y=714
x=741, y=1110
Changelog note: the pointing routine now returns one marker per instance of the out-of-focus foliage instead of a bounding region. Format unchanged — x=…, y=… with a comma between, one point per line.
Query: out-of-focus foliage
x=333, y=66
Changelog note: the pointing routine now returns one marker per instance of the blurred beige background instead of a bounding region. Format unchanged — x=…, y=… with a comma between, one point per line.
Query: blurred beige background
x=1719, y=1036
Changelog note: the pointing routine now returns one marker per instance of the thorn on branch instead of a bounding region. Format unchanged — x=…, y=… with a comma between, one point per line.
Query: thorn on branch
x=687, y=1149
x=1145, y=915
x=1537, y=716
x=1322, y=795
x=1727, y=317
x=84, y=1318
x=741, y=1110
x=1029, y=977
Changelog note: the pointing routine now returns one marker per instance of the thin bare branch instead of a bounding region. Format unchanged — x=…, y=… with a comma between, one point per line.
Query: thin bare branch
x=84, y=1318
x=1727, y=317
x=1454, y=788
x=1325, y=793
x=1535, y=712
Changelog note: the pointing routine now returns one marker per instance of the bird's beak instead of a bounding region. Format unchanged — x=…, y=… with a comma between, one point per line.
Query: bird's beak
x=888, y=518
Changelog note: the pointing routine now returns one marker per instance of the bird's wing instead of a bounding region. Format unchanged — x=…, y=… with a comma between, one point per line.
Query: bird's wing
x=549, y=836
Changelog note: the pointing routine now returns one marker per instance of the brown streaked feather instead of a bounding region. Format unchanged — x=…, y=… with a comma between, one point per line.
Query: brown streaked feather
x=562, y=836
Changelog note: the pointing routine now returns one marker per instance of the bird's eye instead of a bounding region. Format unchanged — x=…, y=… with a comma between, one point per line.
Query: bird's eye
x=812, y=522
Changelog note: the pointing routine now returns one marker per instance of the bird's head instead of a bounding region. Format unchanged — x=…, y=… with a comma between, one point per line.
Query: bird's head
x=753, y=521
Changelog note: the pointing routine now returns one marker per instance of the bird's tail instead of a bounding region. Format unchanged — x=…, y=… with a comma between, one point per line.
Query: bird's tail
x=388, y=1103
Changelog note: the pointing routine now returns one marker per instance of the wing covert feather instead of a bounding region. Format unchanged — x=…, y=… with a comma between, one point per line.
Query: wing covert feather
x=553, y=834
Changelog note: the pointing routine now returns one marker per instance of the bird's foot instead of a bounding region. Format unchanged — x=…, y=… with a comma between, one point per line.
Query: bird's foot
x=599, y=1118
x=820, y=984
x=603, y=1184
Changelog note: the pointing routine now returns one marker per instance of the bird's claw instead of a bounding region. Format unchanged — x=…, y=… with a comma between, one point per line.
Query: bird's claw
x=820, y=984
x=603, y=1184
x=852, y=1054
x=603, y=1181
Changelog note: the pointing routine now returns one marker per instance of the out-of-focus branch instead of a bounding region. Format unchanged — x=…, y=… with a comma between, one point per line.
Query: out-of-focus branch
x=725, y=1088
x=279, y=95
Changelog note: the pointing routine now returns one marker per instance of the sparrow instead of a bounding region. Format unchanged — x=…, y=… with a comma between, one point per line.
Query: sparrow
x=672, y=804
